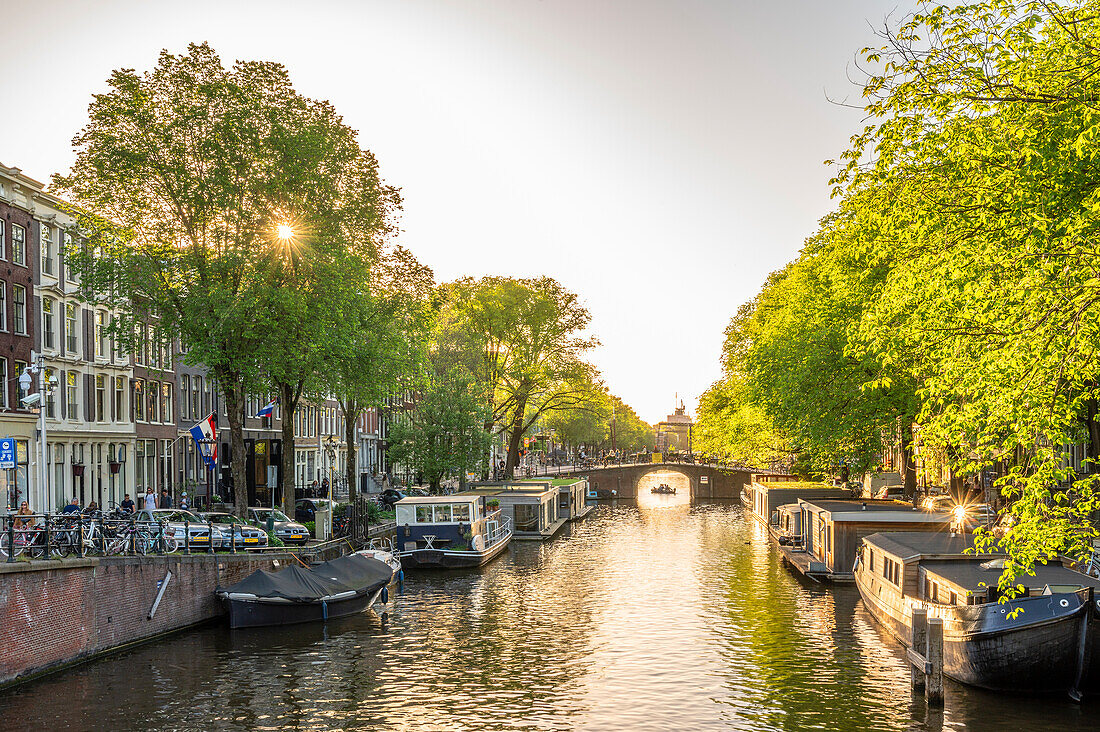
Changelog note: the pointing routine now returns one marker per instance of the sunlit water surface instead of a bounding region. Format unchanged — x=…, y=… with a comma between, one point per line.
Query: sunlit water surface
x=658, y=614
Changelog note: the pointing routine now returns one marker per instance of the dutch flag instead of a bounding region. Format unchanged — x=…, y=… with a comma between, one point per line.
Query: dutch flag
x=268, y=408
x=205, y=434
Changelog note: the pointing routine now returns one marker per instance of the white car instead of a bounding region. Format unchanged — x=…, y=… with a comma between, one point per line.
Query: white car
x=184, y=527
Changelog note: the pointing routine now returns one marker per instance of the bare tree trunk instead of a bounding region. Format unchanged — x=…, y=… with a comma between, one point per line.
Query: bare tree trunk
x=288, y=397
x=352, y=411
x=513, y=439
x=232, y=387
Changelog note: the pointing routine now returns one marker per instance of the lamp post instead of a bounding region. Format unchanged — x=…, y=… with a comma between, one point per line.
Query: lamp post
x=37, y=367
x=330, y=452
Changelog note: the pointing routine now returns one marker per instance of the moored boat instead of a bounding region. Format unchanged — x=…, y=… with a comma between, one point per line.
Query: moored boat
x=1040, y=641
x=450, y=532
x=337, y=588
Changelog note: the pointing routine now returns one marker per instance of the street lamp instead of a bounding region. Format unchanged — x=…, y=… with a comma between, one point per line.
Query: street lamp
x=37, y=367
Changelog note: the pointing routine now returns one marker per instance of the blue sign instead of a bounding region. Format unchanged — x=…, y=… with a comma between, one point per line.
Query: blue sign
x=7, y=452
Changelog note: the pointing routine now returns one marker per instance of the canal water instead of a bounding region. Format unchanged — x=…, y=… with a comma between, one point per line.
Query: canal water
x=660, y=614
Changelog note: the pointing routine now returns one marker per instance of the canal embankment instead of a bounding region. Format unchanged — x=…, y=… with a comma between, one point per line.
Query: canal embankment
x=61, y=612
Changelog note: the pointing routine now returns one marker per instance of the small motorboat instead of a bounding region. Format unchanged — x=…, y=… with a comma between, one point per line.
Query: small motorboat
x=334, y=589
x=665, y=489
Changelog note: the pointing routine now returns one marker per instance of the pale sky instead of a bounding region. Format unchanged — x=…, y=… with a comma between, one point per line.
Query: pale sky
x=657, y=157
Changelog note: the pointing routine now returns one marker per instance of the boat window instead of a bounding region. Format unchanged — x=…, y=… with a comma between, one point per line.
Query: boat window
x=442, y=513
x=423, y=514
x=461, y=512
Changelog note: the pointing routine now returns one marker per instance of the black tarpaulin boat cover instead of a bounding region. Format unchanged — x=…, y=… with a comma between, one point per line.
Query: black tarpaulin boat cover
x=355, y=570
x=308, y=585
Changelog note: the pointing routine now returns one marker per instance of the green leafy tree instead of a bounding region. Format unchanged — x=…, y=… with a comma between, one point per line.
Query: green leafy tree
x=443, y=436
x=521, y=338
x=182, y=177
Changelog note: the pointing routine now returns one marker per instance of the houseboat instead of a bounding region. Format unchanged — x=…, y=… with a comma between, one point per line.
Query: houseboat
x=1046, y=639
x=532, y=508
x=830, y=532
x=449, y=532
x=762, y=498
x=572, y=498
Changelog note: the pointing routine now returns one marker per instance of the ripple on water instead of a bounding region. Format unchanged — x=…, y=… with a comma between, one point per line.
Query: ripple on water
x=665, y=615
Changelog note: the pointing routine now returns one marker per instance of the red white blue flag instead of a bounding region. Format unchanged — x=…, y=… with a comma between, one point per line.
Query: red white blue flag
x=268, y=408
x=205, y=434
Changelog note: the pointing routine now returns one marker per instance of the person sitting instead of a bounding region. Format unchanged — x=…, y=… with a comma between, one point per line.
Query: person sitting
x=127, y=505
x=24, y=523
x=93, y=507
x=72, y=507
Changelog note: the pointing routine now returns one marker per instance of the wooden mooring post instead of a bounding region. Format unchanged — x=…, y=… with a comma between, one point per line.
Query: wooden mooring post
x=925, y=655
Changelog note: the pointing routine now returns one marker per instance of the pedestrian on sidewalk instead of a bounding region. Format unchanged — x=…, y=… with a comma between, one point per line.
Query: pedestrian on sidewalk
x=150, y=500
x=165, y=499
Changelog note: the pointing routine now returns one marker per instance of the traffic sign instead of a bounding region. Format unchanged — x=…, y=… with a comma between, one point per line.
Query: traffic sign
x=7, y=453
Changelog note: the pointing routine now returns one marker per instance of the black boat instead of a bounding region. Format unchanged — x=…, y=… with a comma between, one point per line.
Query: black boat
x=1047, y=639
x=334, y=589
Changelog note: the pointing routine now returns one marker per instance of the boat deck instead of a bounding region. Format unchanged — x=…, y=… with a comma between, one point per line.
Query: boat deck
x=543, y=535
x=582, y=513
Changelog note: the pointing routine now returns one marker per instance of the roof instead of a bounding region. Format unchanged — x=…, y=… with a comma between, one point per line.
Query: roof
x=968, y=573
x=913, y=544
x=878, y=511
x=464, y=497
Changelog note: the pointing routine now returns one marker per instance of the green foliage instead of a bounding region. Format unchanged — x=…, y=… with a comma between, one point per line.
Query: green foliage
x=520, y=338
x=730, y=426
x=443, y=435
x=189, y=170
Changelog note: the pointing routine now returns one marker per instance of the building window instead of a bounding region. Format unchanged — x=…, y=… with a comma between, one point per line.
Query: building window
x=18, y=244
x=70, y=327
x=152, y=396
x=3, y=305
x=47, y=323
x=4, y=381
x=100, y=397
x=100, y=334
x=68, y=270
x=139, y=400
x=115, y=353
x=154, y=348
x=185, y=396
x=165, y=402
x=20, y=367
x=51, y=408
x=120, y=398
x=196, y=397
x=2, y=250
x=19, y=301
x=72, y=394
x=47, y=249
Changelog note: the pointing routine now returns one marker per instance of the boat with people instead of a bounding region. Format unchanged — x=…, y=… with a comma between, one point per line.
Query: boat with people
x=1045, y=639
x=297, y=594
x=461, y=530
x=663, y=489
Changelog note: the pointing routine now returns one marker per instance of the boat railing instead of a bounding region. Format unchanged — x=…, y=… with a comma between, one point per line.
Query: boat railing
x=501, y=532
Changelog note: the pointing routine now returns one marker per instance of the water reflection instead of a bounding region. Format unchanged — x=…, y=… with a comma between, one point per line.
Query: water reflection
x=666, y=615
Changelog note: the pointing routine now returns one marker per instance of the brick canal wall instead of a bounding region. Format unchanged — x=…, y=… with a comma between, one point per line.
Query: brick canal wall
x=53, y=613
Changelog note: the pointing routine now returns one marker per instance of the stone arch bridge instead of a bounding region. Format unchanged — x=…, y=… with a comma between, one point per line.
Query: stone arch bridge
x=707, y=481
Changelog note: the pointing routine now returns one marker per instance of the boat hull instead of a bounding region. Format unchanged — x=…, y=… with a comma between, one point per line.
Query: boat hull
x=447, y=559
x=258, y=613
x=1040, y=650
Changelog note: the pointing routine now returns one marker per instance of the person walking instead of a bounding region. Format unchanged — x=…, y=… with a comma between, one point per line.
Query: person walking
x=150, y=500
x=165, y=499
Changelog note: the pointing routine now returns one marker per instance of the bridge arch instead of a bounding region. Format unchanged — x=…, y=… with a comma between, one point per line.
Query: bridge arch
x=665, y=468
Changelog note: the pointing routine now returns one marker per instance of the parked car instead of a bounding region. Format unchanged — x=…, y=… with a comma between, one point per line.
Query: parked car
x=289, y=532
x=892, y=492
x=247, y=535
x=390, y=496
x=306, y=508
x=979, y=514
x=184, y=526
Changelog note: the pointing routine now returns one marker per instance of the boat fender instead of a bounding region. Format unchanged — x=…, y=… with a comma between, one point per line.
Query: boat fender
x=401, y=581
x=385, y=595
x=324, y=610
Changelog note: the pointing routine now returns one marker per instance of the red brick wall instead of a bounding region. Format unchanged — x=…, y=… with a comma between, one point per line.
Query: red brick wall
x=52, y=613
